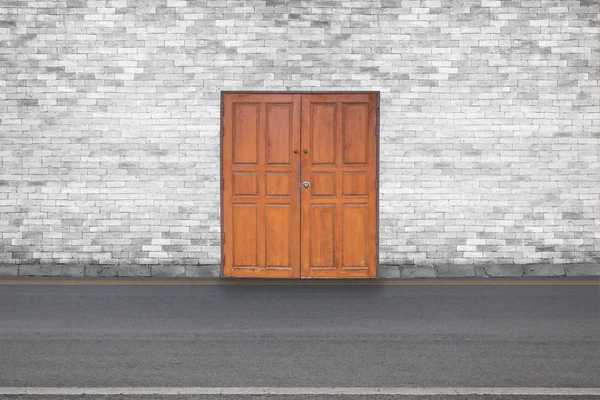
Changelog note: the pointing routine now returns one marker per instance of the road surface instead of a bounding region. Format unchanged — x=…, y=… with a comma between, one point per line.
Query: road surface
x=422, y=334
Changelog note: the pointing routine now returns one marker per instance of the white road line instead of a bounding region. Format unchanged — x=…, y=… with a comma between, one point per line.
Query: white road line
x=402, y=391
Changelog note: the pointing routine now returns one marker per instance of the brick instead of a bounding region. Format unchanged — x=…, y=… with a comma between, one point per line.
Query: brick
x=389, y=271
x=176, y=271
x=9, y=270
x=202, y=271
x=480, y=271
x=488, y=135
x=133, y=270
x=449, y=271
x=68, y=270
x=582, y=269
x=99, y=271
x=503, y=270
x=544, y=270
x=416, y=272
x=35, y=270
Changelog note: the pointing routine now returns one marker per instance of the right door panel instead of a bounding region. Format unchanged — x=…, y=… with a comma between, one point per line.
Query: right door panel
x=339, y=208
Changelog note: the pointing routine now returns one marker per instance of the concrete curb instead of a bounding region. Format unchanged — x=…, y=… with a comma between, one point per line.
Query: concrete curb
x=385, y=271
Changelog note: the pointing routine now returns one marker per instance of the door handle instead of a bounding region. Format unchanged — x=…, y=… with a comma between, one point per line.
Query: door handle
x=306, y=184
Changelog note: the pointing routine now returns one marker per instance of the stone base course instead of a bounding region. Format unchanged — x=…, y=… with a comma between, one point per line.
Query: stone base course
x=582, y=269
x=385, y=271
x=494, y=270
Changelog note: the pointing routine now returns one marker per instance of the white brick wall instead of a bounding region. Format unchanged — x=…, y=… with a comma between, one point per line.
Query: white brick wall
x=109, y=119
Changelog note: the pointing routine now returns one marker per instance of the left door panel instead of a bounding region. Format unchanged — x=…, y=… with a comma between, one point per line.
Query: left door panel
x=261, y=191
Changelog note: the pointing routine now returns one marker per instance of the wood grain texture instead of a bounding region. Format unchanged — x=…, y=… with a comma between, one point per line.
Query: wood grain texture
x=274, y=227
x=261, y=199
x=339, y=133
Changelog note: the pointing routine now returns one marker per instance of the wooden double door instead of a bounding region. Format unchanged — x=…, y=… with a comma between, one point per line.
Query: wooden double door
x=300, y=187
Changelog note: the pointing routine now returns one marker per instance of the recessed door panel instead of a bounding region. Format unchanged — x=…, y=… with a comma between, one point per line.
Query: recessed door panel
x=322, y=242
x=245, y=184
x=299, y=190
x=355, y=133
x=245, y=133
x=245, y=235
x=322, y=133
x=278, y=134
x=278, y=184
x=322, y=184
x=278, y=240
x=355, y=230
x=355, y=184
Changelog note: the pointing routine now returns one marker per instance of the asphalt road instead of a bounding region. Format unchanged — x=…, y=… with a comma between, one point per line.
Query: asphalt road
x=300, y=336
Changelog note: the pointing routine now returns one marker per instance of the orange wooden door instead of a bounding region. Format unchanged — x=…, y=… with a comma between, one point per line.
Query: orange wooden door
x=273, y=226
x=261, y=193
x=339, y=208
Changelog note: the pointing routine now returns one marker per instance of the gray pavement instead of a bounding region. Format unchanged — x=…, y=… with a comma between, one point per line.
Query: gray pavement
x=306, y=336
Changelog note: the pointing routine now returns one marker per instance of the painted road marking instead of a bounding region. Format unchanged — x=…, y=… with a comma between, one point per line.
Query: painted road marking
x=325, y=282
x=401, y=391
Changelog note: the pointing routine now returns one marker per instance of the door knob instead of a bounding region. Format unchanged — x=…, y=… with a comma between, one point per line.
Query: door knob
x=306, y=184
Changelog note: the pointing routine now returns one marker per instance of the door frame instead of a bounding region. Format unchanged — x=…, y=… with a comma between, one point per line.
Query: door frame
x=377, y=93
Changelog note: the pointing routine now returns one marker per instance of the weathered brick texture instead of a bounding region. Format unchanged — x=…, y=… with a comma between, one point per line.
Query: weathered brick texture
x=109, y=122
